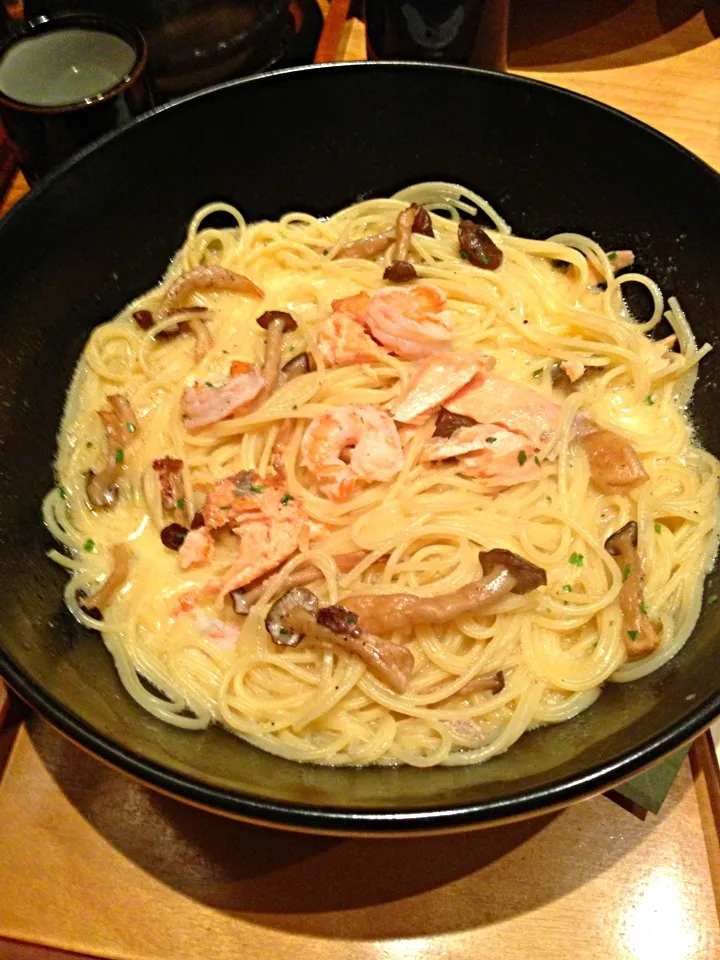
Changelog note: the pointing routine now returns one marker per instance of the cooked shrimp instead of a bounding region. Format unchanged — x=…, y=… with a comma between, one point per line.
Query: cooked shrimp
x=435, y=380
x=368, y=439
x=487, y=452
x=342, y=341
x=411, y=323
x=202, y=406
x=493, y=400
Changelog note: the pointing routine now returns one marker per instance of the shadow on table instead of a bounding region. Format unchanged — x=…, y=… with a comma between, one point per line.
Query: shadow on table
x=597, y=34
x=337, y=888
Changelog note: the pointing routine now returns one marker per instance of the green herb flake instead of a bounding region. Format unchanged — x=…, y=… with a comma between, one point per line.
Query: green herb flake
x=294, y=406
x=119, y=455
x=650, y=400
x=643, y=607
x=63, y=492
x=131, y=427
x=633, y=635
x=226, y=507
x=713, y=598
x=180, y=504
x=626, y=572
x=567, y=588
x=611, y=256
x=257, y=488
x=658, y=528
x=522, y=457
x=576, y=559
x=537, y=459
x=351, y=618
x=538, y=372
x=283, y=631
x=484, y=259
x=464, y=255
x=89, y=546
x=490, y=439
x=286, y=499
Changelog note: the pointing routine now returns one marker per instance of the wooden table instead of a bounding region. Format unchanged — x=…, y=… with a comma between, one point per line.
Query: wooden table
x=92, y=862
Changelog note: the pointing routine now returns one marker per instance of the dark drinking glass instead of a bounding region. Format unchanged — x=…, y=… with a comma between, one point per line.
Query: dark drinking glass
x=470, y=32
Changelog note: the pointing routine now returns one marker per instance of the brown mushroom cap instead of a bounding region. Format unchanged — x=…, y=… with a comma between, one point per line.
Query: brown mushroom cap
x=399, y=271
x=625, y=537
x=527, y=575
x=477, y=245
x=447, y=423
x=276, y=316
x=296, y=597
x=144, y=319
x=422, y=223
x=297, y=366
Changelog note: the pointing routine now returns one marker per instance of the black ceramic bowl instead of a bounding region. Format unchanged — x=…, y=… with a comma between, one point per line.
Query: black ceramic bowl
x=102, y=229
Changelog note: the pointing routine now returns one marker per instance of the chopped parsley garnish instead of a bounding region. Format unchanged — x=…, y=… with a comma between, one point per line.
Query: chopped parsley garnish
x=626, y=572
x=89, y=546
x=131, y=427
x=537, y=459
x=611, y=256
x=713, y=598
x=658, y=528
x=567, y=588
x=464, y=255
x=484, y=259
x=633, y=635
x=522, y=457
x=63, y=492
x=351, y=618
x=286, y=499
x=119, y=455
x=643, y=607
x=650, y=400
x=538, y=372
x=257, y=488
x=226, y=507
x=576, y=559
x=180, y=504
x=490, y=439
x=283, y=631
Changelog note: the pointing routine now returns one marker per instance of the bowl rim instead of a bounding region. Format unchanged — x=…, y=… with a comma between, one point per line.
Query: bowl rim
x=358, y=820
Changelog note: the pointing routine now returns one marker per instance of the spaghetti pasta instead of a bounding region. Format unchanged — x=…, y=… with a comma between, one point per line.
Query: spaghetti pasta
x=361, y=486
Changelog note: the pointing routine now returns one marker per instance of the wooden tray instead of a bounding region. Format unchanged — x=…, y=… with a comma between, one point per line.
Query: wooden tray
x=90, y=861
